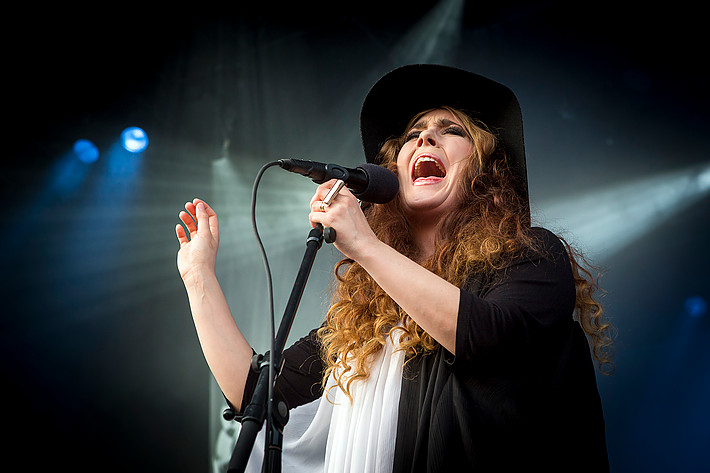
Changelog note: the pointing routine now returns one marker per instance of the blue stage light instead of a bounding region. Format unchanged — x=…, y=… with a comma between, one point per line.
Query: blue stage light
x=134, y=139
x=695, y=306
x=86, y=151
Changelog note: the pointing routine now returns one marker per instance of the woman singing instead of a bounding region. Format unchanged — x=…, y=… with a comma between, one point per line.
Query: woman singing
x=460, y=337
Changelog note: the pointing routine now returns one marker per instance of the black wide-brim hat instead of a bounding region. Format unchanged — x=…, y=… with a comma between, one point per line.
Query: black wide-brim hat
x=404, y=92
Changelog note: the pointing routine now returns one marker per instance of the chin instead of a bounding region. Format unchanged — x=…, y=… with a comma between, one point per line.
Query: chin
x=424, y=206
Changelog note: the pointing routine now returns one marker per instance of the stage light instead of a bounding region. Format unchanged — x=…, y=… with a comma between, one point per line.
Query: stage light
x=695, y=306
x=134, y=139
x=86, y=151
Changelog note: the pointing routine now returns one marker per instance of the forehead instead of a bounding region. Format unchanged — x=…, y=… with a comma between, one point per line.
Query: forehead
x=437, y=118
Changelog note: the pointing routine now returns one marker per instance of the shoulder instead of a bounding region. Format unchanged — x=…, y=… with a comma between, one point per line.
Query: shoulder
x=542, y=253
x=544, y=244
x=544, y=259
x=546, y=239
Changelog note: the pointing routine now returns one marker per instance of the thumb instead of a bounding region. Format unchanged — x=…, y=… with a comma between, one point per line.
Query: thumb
x=202, y=218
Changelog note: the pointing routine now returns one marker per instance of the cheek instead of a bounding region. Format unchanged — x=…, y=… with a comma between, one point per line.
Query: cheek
x=403, y=164
x=466, y=150
x=459, y=174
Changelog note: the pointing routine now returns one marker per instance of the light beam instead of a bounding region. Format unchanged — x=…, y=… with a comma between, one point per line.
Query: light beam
x=608, y=220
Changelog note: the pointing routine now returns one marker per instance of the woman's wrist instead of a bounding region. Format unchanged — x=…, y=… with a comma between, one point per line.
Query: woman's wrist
x=371, y=251
x=197, y=276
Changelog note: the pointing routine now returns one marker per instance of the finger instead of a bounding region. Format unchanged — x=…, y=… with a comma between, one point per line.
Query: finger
x=197, y=200
x=345, y=190
x=203, y=226
x=318, y=206
x=326, y=194
x=320, y=217
x=322, y=190
x=210, y=212
x=314, y=218
x=189, y=221
x=181, y=235
x=333, y=192
x=190, y=207
x=212, y=219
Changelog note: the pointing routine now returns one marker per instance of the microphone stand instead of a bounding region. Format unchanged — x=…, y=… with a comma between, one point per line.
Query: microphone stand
x=256, y=412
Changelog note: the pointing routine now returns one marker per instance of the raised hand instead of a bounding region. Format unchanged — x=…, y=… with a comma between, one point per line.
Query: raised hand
x=227, y=352
x=198, y=251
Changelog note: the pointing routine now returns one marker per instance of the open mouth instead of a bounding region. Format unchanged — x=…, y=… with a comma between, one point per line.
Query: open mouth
x=427, y=169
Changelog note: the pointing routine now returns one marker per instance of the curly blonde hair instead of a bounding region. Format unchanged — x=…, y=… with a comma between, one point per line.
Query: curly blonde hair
x=490, y=225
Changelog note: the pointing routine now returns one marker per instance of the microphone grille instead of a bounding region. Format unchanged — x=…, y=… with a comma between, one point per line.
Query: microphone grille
x=382, y=184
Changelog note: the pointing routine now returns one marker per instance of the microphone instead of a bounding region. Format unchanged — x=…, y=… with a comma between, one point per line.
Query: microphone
x=368, y=182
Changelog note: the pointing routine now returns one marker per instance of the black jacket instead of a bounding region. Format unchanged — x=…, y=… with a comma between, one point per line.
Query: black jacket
x=520, y=393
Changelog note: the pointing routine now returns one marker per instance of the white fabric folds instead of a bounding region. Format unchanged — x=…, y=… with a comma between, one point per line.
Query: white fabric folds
x=331, y=435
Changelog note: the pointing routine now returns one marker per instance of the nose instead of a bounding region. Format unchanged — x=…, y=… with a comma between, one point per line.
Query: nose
x=426, y=137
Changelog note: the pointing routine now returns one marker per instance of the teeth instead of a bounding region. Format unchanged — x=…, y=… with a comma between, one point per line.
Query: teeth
x=427, y=159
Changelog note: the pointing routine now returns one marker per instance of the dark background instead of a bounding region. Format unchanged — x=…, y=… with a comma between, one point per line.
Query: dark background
x=101, y=367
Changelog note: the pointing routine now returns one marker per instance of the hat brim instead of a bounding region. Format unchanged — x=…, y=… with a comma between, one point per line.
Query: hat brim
x=402, y=93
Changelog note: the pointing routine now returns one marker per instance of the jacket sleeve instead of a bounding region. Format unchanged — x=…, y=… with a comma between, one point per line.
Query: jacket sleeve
x=300, y=379
x=521, y=305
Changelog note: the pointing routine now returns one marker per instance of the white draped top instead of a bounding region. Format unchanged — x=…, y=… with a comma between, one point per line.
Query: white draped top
x=333, y=435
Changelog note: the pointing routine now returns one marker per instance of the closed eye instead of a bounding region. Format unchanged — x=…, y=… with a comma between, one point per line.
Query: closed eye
x=454, y=130
x=412, y=135
x=446, y=126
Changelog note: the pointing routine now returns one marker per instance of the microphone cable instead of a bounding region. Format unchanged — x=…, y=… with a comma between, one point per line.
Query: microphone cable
x=269, y=285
